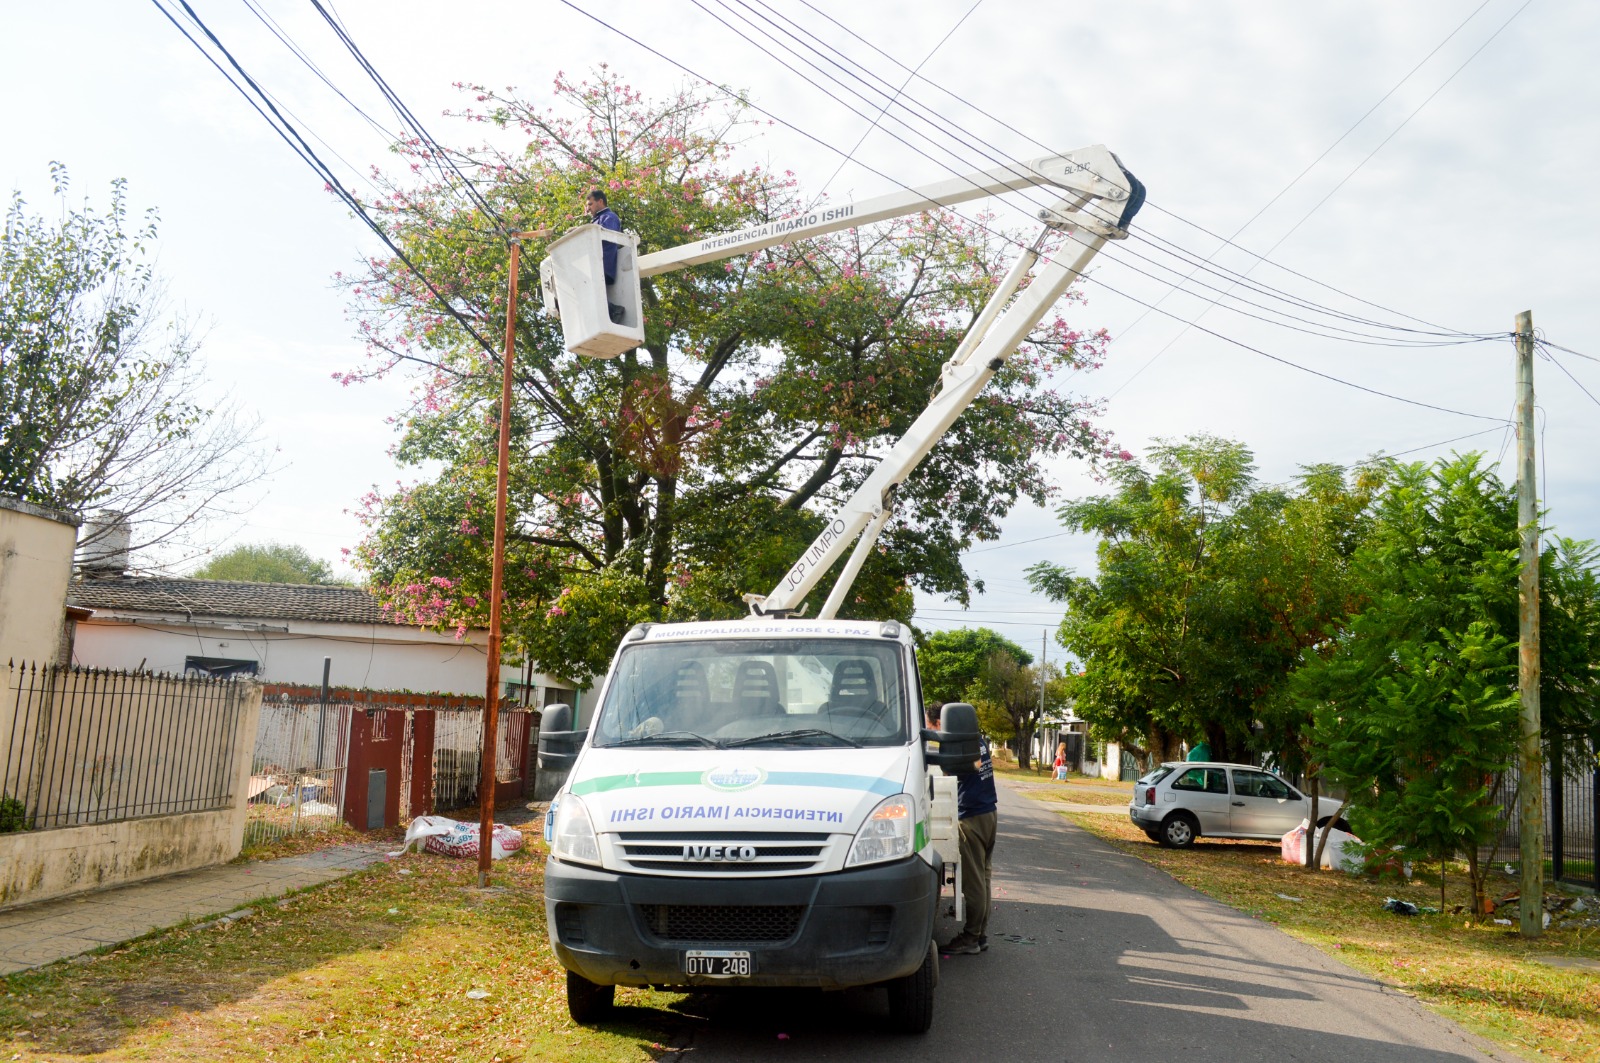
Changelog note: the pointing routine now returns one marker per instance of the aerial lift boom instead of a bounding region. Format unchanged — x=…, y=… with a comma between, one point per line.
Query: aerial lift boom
x=1098, y=201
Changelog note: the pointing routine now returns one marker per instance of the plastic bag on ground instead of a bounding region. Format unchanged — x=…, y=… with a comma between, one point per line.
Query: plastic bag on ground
x=449, y=837
x=1340, y=854
x=1294, y=845
x=1343, y=851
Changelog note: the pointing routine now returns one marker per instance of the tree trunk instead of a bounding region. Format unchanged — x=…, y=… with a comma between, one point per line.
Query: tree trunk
x=1313, y=852
x=1322, y=844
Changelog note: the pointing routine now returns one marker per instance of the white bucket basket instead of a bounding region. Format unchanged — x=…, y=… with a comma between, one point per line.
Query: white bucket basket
x=572, y=278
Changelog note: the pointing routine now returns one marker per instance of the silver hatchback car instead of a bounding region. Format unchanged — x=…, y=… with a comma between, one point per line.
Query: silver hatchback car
x=1182, y=800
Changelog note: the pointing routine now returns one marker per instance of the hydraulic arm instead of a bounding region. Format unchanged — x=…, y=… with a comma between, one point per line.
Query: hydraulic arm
x=1098, y=201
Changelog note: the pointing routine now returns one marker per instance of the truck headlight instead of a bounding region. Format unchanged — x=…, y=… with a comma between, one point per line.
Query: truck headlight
x=572, y=836
x=886, y=835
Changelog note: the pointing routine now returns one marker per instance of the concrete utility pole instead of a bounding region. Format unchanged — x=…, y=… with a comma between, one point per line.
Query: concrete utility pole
x=1530, y=751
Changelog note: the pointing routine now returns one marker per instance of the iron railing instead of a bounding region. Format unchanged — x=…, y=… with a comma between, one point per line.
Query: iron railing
x=457, y=767
x=81, y=746
x=1571, y=812
x=297, y=774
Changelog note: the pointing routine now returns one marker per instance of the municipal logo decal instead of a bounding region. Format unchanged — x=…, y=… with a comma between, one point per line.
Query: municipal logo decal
x=733, y=779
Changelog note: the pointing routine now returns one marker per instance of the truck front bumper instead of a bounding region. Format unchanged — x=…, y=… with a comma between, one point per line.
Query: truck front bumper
x=850, y=928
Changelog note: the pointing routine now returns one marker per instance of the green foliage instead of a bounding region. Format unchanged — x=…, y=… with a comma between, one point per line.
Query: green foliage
x=1416, y=702
x=951, y=661
x=95, y=408
x=13, y=815
x=1007, y=696
x=267, y=563
x=699, y=466
x=1209, y=589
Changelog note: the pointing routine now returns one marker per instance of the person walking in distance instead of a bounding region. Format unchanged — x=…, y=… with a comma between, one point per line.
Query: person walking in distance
x=976, y=809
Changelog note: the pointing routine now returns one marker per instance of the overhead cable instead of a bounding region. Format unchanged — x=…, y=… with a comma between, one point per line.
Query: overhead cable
x=1004, y=236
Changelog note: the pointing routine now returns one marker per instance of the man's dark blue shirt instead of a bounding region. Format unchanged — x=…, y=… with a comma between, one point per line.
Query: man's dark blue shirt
x=607, y=219
x=975, y=793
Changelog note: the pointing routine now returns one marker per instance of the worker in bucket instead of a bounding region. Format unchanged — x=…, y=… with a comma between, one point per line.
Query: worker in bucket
x=602, y=215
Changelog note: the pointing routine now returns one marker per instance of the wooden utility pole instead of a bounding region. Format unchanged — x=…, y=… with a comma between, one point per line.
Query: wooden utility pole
x=1530, y=751
x=491, y=697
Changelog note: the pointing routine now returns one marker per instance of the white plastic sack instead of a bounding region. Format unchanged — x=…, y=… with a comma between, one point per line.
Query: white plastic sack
x=440, y=834
x=1340, y=854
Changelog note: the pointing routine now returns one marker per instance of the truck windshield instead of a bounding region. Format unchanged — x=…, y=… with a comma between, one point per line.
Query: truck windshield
x=773, y=693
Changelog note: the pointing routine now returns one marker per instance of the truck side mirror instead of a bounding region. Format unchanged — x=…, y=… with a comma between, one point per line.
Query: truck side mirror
x=960, y=746
x=558, y=742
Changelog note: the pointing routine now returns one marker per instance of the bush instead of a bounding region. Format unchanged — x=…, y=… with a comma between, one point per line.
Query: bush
x=13, y=815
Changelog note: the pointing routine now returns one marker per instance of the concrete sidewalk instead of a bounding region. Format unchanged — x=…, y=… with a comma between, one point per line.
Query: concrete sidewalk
x=39, y=934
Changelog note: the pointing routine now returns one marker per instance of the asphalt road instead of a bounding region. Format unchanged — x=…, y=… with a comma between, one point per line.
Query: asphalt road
x=1095, y=956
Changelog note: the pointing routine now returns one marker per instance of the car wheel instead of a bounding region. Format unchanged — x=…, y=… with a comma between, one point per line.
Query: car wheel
x=587, y=1002
x=911, y=997
x=1178, y=831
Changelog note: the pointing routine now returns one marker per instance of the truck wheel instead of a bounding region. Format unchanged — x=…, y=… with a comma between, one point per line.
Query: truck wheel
x=1178, y=831
x=911, y=997
x=587, y=1002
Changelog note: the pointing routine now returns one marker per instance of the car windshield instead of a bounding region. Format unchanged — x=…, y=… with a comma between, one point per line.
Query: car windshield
x=766, y=693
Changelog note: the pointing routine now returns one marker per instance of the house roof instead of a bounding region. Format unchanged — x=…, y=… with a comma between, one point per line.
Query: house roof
x=229, y=598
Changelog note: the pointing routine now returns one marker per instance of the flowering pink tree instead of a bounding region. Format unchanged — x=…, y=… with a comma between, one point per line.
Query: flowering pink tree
x=664, y=483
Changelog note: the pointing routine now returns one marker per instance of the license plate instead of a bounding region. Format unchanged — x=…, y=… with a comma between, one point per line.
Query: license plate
x=717, y=963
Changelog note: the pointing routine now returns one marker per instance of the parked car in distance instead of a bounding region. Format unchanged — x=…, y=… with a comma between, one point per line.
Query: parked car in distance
x=1183, y=800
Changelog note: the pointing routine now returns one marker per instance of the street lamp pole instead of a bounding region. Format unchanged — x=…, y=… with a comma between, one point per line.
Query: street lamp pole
x=491, y=699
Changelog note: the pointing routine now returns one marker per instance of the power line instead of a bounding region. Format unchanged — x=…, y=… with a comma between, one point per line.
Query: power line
x=868, y=131
x=824, y=144
x=1556, y=362
x=297, y=143
x=1041, y=144
x=1311, y=166
x=436, y=152
x=1568, y=350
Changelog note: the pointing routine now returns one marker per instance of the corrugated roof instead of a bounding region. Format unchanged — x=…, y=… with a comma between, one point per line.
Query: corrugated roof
x=230, y=598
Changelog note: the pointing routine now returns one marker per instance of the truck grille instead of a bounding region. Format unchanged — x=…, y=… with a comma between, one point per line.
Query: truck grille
x=742, y=852
x=721, y=924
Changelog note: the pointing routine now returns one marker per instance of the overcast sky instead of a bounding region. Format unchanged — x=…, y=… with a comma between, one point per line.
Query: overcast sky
x=1465, y=196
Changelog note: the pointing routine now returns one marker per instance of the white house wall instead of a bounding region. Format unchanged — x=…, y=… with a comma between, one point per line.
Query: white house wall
x=376, y=656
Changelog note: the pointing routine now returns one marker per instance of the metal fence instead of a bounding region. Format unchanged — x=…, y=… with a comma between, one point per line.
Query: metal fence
x=457, y=767
x=81, y=746
x=297, y=775
x=1571, y=812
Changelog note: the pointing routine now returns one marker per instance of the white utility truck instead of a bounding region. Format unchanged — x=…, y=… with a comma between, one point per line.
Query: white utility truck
x=757, y=802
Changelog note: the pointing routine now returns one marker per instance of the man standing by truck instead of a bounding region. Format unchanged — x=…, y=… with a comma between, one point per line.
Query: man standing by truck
x=976, y=808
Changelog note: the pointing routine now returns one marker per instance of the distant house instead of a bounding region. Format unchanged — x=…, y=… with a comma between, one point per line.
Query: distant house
x=280, y=633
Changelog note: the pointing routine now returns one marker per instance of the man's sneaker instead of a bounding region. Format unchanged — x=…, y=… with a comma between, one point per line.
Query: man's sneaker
x=965, y=944
x=983, y=942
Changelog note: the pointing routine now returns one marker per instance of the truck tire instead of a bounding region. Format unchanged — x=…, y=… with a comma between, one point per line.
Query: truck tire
x=586, y=1002
x=911, y=997
x=1178, y=831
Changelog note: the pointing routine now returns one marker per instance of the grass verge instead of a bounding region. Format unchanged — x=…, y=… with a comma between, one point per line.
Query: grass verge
x=374, y=967
x=1479, y=974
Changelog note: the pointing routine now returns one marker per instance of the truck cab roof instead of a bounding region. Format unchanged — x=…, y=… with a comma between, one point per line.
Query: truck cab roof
x=759, y=627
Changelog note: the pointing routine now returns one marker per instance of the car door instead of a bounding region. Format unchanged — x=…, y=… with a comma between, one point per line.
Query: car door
x=1203, y=791
x=1263, y=805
